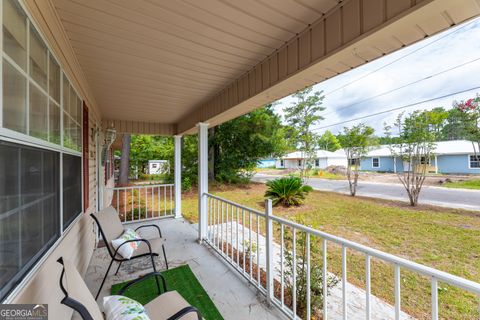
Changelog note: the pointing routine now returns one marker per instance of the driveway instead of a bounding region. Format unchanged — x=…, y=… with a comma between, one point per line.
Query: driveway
x=445, y=197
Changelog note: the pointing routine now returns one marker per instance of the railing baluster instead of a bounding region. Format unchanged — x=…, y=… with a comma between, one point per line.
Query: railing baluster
x=125, y=204
x=243, y=238
x=214, y=227
x=165, y=200
x=368, y=288
x=282, y=262
x=133, y=201
x=344, y=282
x=118, y=200
x=231, y=234
x=250, y=243
x=258, y=253
x=221, y=229
x=227, y=222
x=158, y=202
x=397, y=292
x=218, y=223
x=325, y=280
x=146, y=202
x=294, y=273
x=309, y=307
x=171, y=201
x=139, y=204
x=238, y=247
x=153, y=203
x=434, y=299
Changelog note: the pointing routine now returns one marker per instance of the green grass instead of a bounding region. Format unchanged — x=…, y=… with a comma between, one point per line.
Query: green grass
x=445, y=239
x=180, y=279
x=467, y=184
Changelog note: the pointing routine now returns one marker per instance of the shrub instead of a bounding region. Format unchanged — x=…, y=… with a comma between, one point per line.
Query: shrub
x=288, y=191
x=316, y=278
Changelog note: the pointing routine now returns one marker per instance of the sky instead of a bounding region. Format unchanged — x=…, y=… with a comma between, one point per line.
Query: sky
x=446, y=63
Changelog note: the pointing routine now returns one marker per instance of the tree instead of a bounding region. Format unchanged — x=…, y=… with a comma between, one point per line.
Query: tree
x=240, y=143
x=356, y=142
x=329, y=142
x=470, y=111
x=418, y=134
x=301, y=117
x=124, y=160
x=454, y=126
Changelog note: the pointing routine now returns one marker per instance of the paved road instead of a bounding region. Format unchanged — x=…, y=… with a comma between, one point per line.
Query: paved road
x=445, y=197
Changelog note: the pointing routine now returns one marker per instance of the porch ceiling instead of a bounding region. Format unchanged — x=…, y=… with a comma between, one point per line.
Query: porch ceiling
x=162, y=66
x=157, y=60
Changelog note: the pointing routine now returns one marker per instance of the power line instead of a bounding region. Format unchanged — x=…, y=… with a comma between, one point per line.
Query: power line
x=403, y=86
x=397, y=108
x=398, y=59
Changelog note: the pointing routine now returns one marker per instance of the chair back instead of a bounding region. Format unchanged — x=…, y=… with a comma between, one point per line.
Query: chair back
x=77, y=295
x=110, y=226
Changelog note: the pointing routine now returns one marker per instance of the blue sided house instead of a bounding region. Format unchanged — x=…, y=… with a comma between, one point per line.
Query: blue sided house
x=450, y=157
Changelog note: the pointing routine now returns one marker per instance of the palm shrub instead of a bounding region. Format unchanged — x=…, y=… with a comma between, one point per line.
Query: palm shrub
x=288, y=191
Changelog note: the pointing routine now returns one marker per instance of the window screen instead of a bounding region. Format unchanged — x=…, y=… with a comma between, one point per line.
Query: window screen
x=29, y=209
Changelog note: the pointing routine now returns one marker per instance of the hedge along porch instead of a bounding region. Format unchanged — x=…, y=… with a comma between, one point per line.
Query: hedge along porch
x=155, y=68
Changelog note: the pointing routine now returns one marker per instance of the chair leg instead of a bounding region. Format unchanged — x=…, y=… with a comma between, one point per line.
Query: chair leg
x=119, y=265
x=104, y=278
x=155, y=270
x=165, y=256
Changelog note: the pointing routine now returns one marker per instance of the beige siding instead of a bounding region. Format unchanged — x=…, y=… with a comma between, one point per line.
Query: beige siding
x=78, y=243
x=43, y=287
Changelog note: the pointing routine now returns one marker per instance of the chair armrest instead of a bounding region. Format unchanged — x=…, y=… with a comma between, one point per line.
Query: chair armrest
x=133, y=240
x=151, y=225
x=185, y=311
x=151, y=274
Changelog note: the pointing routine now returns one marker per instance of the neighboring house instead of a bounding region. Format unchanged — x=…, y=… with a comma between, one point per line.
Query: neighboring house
x=450, y=157
x=158, y=166
x=323, y=159
x=266, y=163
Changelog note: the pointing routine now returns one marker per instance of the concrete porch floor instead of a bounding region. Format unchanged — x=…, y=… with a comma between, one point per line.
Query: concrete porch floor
x=232, y=295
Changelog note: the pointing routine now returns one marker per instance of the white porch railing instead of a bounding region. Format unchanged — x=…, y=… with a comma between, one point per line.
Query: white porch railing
x=239, y=234
x=144, y=202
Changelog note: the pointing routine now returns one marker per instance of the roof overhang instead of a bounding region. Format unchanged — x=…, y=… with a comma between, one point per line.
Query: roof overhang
x=161, y=67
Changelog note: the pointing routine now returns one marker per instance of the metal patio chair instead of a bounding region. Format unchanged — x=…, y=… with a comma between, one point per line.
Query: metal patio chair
x=169, y=305
x=110, y=226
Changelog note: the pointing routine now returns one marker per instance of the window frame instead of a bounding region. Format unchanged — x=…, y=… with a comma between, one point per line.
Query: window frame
x=24, y=139
x=378, y=162
x=469, y=159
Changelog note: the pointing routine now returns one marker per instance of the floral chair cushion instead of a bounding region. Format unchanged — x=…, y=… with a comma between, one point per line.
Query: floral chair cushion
x=123, y=308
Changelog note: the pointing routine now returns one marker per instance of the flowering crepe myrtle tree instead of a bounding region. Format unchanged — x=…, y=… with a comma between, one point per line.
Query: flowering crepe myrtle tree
x=471, y=109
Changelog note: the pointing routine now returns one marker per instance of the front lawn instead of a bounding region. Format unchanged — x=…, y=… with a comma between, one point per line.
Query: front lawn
x=466, y=184
x=446, y=239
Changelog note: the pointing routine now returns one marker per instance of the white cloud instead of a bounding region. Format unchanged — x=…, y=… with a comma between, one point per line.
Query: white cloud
x=433, y=55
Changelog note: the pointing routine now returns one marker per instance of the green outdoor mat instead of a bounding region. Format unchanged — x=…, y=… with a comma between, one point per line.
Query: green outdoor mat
x=180, y=279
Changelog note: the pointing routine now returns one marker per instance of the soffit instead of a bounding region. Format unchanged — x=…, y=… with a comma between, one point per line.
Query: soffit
x=155, y=61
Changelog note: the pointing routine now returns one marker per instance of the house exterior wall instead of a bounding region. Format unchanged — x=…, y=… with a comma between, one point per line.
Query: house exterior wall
x=336, y=162
x=323, y=163
x=455, y=164
x=78, y=240
x=386, y=164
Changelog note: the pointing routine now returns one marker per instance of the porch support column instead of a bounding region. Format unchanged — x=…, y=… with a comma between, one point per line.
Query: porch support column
x=202, y=179
x=178, y=176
